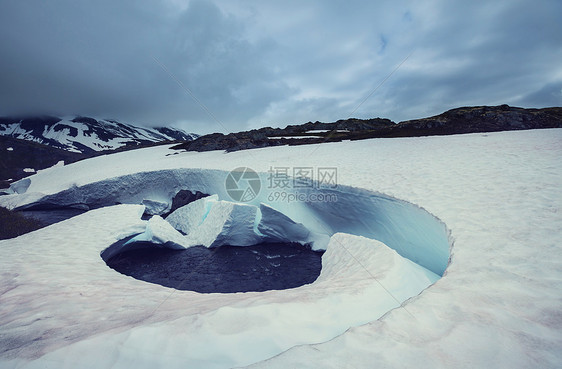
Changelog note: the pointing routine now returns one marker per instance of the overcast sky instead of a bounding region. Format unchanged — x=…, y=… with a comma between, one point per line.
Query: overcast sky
x=232, y=65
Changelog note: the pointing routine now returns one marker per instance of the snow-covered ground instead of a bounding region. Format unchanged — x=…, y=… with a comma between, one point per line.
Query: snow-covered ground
x=497, y=305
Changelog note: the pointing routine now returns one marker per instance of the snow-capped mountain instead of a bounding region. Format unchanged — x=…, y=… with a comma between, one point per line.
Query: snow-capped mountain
x=84, y=134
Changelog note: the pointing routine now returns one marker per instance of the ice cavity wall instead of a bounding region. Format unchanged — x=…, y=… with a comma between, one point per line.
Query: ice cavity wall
x=411, y=231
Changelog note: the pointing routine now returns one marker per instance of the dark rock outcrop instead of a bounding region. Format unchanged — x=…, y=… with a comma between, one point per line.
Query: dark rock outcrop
x=16, y=155
x=184, y=197
x=478, y=119
x=307, y=133
x=455, y=121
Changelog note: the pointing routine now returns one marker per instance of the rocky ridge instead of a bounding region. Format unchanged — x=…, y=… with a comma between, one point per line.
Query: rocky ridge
x=455, y=121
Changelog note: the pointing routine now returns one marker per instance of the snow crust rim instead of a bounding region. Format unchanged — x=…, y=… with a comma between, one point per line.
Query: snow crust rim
x=405, y=227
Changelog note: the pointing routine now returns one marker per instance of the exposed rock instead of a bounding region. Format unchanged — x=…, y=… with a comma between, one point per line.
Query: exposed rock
x=478, y=119
x=290, y=135
x=456, y=121
x=27, y=154
x=184, y=197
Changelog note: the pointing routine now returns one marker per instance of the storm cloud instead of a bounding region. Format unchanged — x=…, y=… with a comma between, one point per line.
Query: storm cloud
x=231, y=65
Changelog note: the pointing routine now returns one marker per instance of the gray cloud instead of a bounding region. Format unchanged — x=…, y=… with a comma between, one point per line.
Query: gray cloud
x=254, y=63
x=548, y=95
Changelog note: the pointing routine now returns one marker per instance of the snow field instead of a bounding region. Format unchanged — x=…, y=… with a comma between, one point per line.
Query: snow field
x=497, y=304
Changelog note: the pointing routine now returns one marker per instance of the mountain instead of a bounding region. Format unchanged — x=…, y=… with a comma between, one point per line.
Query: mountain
x=29, y=144
x=21, y=158
x=86, y=135
x=455, y=121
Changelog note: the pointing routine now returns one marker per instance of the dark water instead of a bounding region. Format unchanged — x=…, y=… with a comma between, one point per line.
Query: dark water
x=224, y=269
x=51, y=216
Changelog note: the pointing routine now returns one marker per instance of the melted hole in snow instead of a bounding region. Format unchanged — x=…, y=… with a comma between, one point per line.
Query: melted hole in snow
x=224, y=269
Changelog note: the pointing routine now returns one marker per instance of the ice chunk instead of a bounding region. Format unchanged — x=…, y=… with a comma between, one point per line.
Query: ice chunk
x=20, y=186
x=154, y=207
x=211, y=223
x=189, y=216
x=161, y=232
x=277, y=227
x=226, y=223
x=238, y=226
